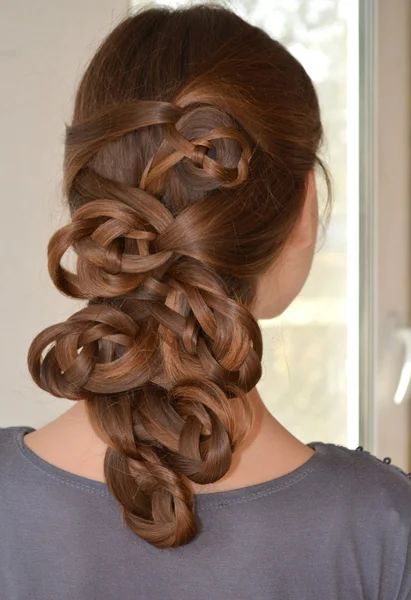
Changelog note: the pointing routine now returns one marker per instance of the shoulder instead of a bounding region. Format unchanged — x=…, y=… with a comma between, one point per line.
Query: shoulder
x=377, y=499
x=372, y=494
x=9, y=437
x=11, y=442
x=366, y=475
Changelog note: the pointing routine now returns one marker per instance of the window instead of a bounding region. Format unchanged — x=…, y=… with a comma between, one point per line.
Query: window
x=310, y=379
x=310, y=359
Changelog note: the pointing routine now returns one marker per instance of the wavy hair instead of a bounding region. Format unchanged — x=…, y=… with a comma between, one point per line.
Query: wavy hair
x=186, y=165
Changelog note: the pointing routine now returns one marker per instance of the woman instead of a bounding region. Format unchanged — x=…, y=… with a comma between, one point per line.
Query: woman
x=189, y=171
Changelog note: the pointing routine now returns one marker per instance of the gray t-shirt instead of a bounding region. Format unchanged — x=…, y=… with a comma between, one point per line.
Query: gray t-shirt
x=338, y=527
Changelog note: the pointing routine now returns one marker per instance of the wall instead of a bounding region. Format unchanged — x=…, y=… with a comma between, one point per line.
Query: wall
x=43, y=48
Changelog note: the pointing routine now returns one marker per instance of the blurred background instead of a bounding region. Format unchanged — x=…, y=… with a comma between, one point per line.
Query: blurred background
x=337, y=364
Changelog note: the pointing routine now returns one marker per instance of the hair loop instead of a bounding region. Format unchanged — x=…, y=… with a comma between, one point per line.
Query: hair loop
x=112, y=243
x=219, y=149
x=94, y=352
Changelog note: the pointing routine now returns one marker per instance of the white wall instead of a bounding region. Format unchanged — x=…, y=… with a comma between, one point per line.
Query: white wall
x=43, y=47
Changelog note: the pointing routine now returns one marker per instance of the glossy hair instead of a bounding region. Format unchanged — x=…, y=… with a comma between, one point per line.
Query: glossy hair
x=186, y=167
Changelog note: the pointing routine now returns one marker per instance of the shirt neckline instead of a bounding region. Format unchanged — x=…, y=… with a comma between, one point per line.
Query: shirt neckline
x=203, y=501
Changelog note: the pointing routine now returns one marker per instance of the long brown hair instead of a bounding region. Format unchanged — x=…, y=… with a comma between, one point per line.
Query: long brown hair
x=185, y=170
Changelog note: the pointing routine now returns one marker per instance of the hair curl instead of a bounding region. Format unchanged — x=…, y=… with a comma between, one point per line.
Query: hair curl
x=185, y=171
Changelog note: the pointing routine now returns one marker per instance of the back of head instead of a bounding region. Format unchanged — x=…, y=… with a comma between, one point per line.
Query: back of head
x=185, y=171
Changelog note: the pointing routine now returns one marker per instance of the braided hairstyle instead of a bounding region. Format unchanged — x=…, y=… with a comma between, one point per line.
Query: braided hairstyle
x=186, y=165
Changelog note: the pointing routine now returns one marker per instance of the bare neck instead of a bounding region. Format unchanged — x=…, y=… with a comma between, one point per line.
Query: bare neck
x=269, y=450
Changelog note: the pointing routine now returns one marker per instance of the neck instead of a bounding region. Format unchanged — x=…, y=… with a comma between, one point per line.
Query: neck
x=268, y=451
